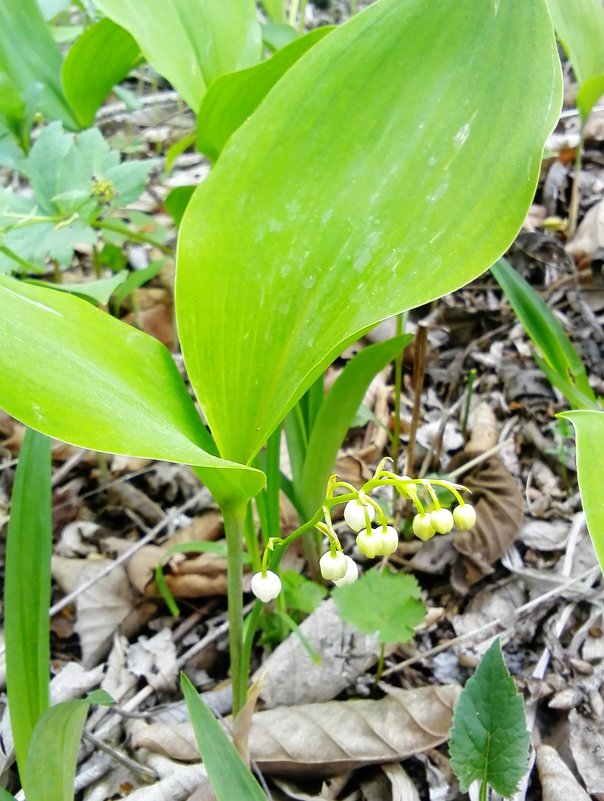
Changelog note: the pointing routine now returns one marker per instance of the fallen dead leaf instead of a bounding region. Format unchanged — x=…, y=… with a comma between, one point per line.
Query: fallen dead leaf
x=330, y=738
x=290, y=675
x=587, y=747
x=177, y=781
x=195, y=576
x=155, y=660
x=557, y=782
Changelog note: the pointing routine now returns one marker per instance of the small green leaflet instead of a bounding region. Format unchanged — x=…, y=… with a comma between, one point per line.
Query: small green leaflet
x=382, y=603
x=489, y=740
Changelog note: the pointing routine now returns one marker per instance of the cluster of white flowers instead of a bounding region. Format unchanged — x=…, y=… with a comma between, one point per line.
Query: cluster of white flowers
x=374, y=537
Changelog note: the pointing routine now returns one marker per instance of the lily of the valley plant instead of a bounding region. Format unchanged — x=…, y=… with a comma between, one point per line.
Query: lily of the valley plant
x=394, y=162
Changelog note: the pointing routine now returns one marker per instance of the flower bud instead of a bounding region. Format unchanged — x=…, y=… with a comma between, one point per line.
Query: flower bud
x=387, y=541
x=354, y=514
x=351, y=574
x=422, y=527
x=266, y=588
x=333, y=566
x=464, y=517
x=441, y=520
x=367, y=543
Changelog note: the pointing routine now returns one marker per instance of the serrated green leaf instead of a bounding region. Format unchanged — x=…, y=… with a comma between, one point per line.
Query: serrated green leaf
x=229, y=777
x=301, y=594
x=383, y=603
x=589, y=434
x=546, y=332
x=85, y=85
x=125, y=389
x=580, y=26
x=233, y=97
x=27, y=591
x=335, y=415
x=29, y=56
x=51, y=762
x=489, y=740
x=191, y=44
x=354, y=193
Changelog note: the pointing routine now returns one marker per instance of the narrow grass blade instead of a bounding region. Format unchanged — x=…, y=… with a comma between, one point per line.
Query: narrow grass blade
x=547, y=335
x=230, y=779
x=27, y=591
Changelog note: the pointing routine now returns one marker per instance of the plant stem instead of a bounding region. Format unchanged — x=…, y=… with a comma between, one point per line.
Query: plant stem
x=234, y=522
x=573, y=208
x=484, y=791
x=380, y=665
x=132, y=235
x=398, y=386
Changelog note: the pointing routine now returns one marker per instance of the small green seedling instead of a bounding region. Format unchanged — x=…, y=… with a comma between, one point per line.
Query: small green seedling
x=489, y=740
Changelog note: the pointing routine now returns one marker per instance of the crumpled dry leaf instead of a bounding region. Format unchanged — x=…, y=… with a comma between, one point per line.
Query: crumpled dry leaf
x=155, y=659
x=587, y=747
x=106, y=606
x=291, y=677
x=544, y=535
x=325, y=739
x=557, y=782
x=330, y=738
x=403, y=788
x=589, y=235
x=176, y=783
x=194, y=576
x=491, y=603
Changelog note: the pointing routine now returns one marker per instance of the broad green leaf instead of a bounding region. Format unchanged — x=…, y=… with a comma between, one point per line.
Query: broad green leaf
x=5, y=795
x=135, y=280
x=51, y=763
x=229, y=777
x=489, y=740
x=335, y=416
x=383, y=603
x=548, y=335
x=177, y=201
x=85, y=85
x=96, y=291
x=13, y=111
x=50, y=8
x=356, y=191
x=27, y=591
x=77, y=374
x=580, y=26
x=233, y=97
x=589, y=434
x=28, y=56
x=191, y=44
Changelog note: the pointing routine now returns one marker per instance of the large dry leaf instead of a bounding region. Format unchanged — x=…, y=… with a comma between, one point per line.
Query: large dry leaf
x=330, y=738
x=557, y=782
x=587, y=747
x=105, y=607
x=195, y=576
x=290, y=675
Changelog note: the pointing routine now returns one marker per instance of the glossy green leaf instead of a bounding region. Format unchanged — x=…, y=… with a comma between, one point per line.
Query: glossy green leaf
x=86, y=86
x=27, y=591
x=29, y=55
x=335, y=416
x=589, y=434
x=355, y=191
x=561, y=362
x=580, y=26
x=489, y=740
x=229, y=777
x=383, y=603
x=51, y=763
x=233, y=97
x=191, y=44
x=75, y=373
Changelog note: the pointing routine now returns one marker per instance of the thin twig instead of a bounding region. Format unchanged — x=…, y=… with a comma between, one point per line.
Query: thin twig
x=146, y=774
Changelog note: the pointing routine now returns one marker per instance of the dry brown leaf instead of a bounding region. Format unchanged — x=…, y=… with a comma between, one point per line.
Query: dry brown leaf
x=103, y=608
x=557, y=782
x=403, y=788
x=177, y=781
x=587, y=747
x=155, y=660
x=499, y=513
x=326, y=739
x=187, y=577
x=291, y=677
x=590, y=234
x=330, y=738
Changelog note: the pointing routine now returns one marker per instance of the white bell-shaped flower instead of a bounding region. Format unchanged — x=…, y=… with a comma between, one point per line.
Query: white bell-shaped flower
x=267, y=587
x=464, y=516
x=351, y=574
x=354, y=514
x=333, y=566
x=442, y=520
